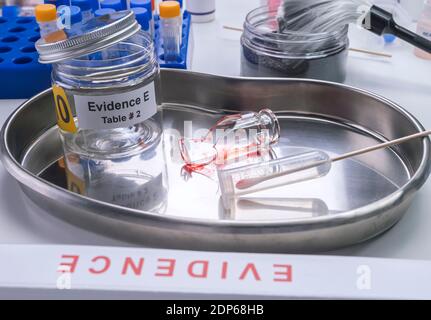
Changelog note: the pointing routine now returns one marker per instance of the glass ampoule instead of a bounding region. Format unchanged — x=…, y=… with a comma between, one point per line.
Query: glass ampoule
x=232, y=138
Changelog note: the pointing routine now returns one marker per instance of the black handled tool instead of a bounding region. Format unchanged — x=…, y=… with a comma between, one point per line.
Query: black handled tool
x=380, y=21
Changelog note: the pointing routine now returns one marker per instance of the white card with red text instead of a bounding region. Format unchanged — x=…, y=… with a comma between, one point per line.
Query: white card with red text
x=115, y=269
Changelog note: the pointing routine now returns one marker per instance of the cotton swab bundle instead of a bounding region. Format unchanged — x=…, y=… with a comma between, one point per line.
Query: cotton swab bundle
x=327, y=16
x=320, y=16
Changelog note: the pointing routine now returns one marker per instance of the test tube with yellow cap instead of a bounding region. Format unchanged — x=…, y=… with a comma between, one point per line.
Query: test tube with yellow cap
x=170, y=29
x=46, y=17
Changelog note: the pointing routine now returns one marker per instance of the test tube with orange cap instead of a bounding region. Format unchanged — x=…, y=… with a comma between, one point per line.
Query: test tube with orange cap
x=170, y=29
x=46, y=17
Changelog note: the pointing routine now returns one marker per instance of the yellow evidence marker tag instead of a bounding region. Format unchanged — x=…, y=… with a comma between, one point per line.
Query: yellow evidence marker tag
x=62, y=108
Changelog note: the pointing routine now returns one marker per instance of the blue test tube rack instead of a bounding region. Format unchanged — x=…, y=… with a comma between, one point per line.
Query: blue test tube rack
x=22, y=76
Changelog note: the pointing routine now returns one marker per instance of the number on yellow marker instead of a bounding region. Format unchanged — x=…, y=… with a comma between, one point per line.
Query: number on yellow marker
x=62, y=108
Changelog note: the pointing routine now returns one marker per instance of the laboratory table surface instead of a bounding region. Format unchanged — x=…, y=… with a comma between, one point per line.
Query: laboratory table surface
x=404, y=78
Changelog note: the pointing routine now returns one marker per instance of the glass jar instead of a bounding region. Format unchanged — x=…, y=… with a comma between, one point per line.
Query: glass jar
x=268, y=53
x=106, y=73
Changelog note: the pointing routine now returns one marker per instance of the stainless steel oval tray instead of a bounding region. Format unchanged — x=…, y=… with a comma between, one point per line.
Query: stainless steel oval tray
x=358, y=200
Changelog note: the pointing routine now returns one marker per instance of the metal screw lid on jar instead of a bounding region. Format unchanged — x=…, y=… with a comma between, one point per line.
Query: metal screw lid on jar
x=95, y=35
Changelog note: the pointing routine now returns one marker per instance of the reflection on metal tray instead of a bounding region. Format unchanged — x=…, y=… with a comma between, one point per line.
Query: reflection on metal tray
x=359, y=199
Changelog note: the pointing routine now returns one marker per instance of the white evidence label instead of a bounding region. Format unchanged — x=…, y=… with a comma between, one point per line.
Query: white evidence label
x=118, y=110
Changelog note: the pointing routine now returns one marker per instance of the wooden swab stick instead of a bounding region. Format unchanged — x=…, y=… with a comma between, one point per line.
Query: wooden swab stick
x=251, y=182
x=380, y=54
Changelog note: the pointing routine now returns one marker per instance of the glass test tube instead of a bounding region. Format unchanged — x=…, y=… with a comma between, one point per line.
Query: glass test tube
x=170, y=28
x=242, y=180
x=46, y=17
